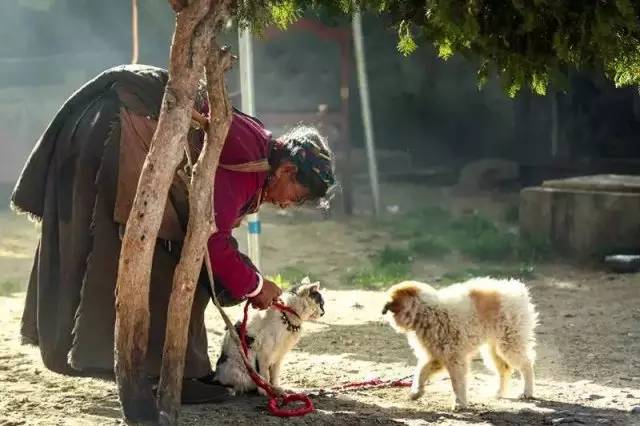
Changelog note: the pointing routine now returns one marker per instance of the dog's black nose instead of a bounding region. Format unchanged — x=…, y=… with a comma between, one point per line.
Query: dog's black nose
x=385, y=309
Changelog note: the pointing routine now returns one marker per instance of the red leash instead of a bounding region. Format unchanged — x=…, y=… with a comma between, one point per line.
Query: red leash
x=373, y=384
x=277, y=403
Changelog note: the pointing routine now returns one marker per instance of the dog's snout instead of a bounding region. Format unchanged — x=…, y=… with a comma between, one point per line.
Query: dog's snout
x=386, y=308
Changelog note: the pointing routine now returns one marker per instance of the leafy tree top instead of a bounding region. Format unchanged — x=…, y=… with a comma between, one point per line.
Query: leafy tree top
x=525, y=42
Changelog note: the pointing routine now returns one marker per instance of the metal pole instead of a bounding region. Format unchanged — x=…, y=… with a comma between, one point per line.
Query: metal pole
x=248, y=106
x=363, y=85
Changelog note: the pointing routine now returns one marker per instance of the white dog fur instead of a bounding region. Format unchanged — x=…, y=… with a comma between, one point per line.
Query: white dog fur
x=270, y=338
x=447, y=327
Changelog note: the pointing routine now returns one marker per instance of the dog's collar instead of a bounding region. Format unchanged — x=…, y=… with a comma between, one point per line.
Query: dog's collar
x=291, y=327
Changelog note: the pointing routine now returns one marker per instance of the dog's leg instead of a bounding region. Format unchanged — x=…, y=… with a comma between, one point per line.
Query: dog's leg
x=527, y=372
x=521, y=360
x=265, y=369
x=424, y=371
x=274, y=370
x=458, y=370
x=502, y=368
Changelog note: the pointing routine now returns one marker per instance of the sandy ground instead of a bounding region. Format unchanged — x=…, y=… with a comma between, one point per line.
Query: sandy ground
x=588, y=368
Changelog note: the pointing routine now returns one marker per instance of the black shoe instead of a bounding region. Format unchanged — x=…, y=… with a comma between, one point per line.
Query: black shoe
x=197, y=391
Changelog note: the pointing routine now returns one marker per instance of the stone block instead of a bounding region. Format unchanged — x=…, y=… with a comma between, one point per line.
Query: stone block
x=584, y=216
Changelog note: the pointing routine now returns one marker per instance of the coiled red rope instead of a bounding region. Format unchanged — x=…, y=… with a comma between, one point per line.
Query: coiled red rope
x=277, y=403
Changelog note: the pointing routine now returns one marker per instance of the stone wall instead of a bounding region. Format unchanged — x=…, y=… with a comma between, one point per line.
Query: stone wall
x=584, y=217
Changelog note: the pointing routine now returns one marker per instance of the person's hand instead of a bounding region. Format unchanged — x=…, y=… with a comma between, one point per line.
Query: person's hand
x=270, y=292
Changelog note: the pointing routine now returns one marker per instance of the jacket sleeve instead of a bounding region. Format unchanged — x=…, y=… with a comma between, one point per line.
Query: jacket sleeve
x=230, y=267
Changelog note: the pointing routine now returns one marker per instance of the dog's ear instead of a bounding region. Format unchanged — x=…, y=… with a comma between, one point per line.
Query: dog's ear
x=306, y=287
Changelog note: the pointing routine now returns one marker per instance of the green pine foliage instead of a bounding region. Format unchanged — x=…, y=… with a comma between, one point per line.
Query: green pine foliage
x=528, y=44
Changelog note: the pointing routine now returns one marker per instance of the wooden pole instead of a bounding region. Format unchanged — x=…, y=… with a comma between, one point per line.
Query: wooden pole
x=134, y=32
x=186, y=67
x=345, y=134
x=365, y=103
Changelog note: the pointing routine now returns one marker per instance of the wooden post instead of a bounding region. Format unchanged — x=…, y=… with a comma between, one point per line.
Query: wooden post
x=135, y=39
x=201, y=225
x=193, y=28
x=345, y=135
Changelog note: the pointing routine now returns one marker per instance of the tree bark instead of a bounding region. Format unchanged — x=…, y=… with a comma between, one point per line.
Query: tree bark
x=191, y=43
x=200, y=227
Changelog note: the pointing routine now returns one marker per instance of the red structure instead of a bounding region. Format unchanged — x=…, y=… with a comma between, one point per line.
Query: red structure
x=324, y=117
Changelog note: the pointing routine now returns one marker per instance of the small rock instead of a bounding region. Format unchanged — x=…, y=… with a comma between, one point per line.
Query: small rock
x=594, y=396
x=569, y=315
x=636, y=410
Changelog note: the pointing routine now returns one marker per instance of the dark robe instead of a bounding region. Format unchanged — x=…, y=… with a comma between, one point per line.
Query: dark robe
x=79, y=182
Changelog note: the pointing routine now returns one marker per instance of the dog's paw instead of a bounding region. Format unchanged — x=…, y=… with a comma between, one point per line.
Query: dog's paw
x=459, y=405
x=526, y=396
x=279, y=389
x=415, y=395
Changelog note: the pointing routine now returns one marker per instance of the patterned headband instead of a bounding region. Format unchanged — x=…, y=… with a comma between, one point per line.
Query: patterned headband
x=312, y=158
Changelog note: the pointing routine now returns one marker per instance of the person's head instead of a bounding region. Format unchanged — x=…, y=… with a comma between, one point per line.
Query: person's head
x=301, y=168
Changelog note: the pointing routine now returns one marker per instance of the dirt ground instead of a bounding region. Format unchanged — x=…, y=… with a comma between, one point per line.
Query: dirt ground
x=588, y=367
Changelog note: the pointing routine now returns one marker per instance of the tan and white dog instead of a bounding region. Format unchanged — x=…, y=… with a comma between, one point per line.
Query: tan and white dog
x=447, y=327
x=271, y=334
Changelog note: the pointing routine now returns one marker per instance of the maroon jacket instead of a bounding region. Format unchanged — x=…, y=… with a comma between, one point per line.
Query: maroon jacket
x=246, y=141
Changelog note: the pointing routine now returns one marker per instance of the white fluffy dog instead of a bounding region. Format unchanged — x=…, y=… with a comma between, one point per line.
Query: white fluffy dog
x=447, y=327
x=271, y=334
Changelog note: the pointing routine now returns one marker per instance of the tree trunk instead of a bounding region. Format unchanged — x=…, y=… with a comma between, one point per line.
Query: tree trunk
x=200, y=227
x=191, y=43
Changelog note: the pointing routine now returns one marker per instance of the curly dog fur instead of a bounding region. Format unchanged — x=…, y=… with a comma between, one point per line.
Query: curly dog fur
x=447, y=327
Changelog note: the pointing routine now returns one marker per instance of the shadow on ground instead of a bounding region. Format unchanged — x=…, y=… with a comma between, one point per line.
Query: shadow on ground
x=346, y=411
